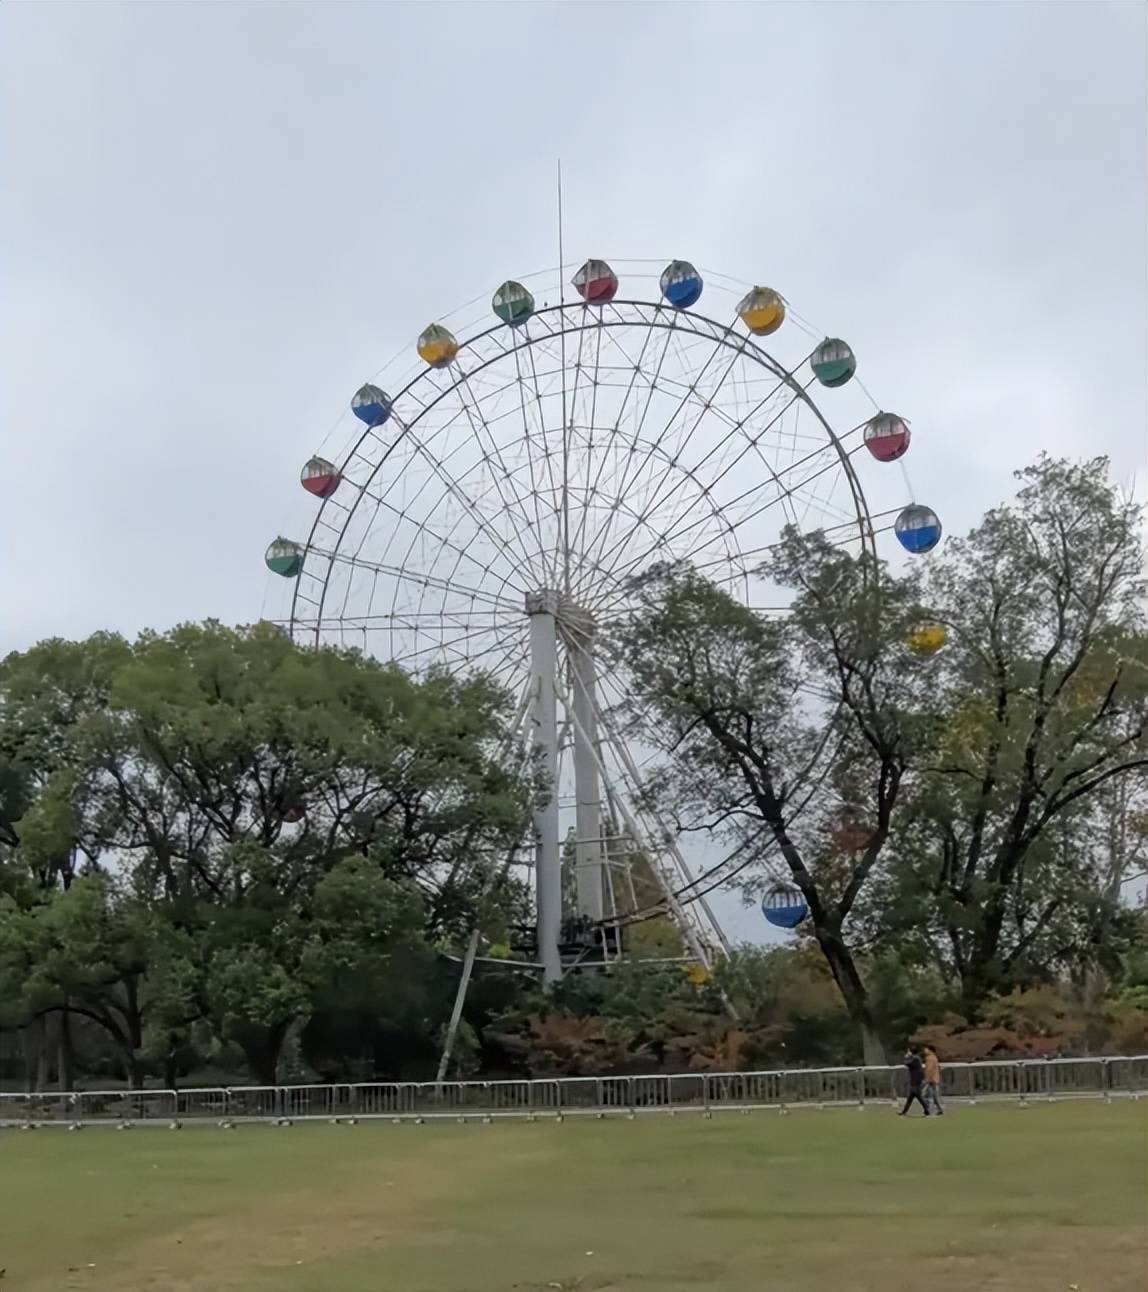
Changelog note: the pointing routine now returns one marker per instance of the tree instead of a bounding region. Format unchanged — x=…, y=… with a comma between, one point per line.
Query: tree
x=1044, y=697
x=778, y=732
x=83, y=949
x=221, y=788
x=291, y=946
x=944, y=807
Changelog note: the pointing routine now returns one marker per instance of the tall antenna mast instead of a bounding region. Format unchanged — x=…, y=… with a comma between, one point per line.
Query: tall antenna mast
x=565, y=417
x=561, y=260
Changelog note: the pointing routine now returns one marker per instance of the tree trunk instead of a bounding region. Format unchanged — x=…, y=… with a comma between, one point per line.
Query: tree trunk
x=66, y=1054
x=853, y=993
x=981, y=973
x=36, y=1048
x=261, y=1047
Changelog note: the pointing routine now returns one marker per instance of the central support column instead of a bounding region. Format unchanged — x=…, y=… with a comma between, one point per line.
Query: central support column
x=579, y=637
x=542, y=607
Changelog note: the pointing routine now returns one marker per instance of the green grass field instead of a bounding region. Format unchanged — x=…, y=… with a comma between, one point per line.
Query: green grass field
x=1055, y=1196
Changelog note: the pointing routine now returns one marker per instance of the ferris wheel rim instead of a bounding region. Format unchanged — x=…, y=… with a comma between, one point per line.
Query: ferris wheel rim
x=583, y=318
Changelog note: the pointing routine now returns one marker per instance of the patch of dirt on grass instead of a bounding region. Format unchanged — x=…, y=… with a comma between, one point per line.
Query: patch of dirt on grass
x=1087, y=1260
x=1054, y=1260
x=380, y=1203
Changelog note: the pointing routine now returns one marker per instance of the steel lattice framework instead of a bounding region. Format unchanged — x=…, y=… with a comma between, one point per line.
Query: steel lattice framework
x=503, y=513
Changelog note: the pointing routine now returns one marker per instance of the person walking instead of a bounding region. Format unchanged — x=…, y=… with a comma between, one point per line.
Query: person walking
x=916, y=1070
x=933, y=1082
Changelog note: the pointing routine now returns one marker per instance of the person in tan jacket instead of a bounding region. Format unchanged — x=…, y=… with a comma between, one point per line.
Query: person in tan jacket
x=933, y=1081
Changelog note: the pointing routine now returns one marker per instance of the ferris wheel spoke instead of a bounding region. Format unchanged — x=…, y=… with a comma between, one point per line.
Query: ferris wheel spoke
x=483, y=467
x=656, y=443
x=686, y=555
x=451, y=577
x=367, y=527
x=444, y=540
x=608, y=449
x=554, y=504
x=513, y=658
x=840, y=535
x=528, y=440
x=734, y=429
x=373, y=626
x=651, y=389
x=754, y=446
x=624, y=702
x=569, y=413
x=420, y=532
x=783, y=497
x=355, y=554
x=409, y=619
x=511, y=505
x=607, y=555
x=419, y=579
x=652, y=383
x=453, y=644
x=721, y=530
x=478, y=500
x=795, y=491
x=460, y=497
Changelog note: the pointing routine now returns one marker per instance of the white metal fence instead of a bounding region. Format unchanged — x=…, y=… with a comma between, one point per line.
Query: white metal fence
x=575, y=1096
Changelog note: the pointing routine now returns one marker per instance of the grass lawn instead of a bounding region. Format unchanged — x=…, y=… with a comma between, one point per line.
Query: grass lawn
x=1055, y=1196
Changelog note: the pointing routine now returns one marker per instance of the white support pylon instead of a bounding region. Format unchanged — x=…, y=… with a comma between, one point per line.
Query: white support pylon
x=685, y=925
x=579, y=639
x=542, y=607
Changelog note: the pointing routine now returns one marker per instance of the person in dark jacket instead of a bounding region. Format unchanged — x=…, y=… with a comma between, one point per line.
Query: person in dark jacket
x=916, y=1070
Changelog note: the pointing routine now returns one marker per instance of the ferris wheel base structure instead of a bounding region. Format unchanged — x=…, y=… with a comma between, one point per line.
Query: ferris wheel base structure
x=555, y=618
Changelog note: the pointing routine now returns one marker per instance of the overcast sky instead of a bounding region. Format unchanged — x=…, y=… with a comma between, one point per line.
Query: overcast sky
x=219, y=218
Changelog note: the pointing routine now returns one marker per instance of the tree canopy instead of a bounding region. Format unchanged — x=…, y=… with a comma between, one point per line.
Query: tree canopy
x=944, y=804
x=221, y=830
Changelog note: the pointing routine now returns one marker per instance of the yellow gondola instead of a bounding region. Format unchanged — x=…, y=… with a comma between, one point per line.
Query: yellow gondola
x=762, y=311
x=437, y=346
x=927, y=639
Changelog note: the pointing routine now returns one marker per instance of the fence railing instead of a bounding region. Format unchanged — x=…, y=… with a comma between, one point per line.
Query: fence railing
x=577, y=1096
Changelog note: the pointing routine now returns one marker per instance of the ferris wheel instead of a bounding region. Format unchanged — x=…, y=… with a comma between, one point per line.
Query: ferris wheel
x=498, y=508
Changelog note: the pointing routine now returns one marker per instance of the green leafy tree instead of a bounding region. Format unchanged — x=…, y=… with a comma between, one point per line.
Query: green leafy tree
x=84, y=949
x=1043, y=695
x=221, y=789
x=775, y=731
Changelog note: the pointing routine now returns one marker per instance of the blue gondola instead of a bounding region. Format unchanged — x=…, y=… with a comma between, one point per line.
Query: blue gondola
x=918, y=529
x=681, y=284
x=371, y=405
x=784, y=907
